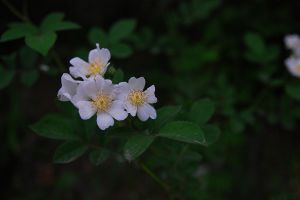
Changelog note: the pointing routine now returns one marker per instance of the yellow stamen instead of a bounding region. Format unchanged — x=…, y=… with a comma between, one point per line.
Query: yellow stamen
x=95, y=68
x=102, y=102
x=136, y=98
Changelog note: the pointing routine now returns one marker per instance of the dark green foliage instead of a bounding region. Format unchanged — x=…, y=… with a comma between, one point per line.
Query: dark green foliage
x=183, y=131
x=69, y=151
x=40, y=38
x=136, y=145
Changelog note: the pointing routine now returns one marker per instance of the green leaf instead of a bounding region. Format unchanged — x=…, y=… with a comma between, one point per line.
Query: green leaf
x=41, y=42
x=28, y=78
x=136, y=145
x=55, y=127
x=189, y=58
x=53, y=17
x=211, y=134
x=120, y=50
x=202, y=111
x=97, y=35
x=121, y=30
x=204, y=8
x=183, y=131
x=255, y=43
x=6, y=76
x=53, y=22
x=17, y=31
x=61, y=26
x=293, y=90
x=69, y=151
x=164, y=115
x=98, y=156
x=118, y=76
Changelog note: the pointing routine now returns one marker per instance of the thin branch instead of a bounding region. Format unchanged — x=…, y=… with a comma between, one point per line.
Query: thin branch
x=14, y=11
x=164, y=185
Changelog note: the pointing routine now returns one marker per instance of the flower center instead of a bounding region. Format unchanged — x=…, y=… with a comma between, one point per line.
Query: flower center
x=95, y=68
x=136, y=98
x=102, y=102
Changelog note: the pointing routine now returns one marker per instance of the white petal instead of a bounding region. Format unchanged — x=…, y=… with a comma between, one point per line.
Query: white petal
x=99, y=82
x=94, y=56
x=108, y=81
x=104, y=69
x=104, y=55
x=145, y=111
x=68, y=88
x=104, y=120
x=296, y=51
x=78, y=62
x=63, y=96
x=292, y=41
x=122, y=89
x=117, y=110
x=122, y=96
x=292, y=64
x=142, y=113
x=86, y=91
x=137, y=83
x=104, y=85
x=131, y=109
x=150, y=96
x=79, y=68
x=151, y=111
x=86, y=109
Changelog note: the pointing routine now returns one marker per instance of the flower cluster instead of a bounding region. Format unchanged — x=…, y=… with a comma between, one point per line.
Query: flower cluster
x=292, y=42
x=92, y=94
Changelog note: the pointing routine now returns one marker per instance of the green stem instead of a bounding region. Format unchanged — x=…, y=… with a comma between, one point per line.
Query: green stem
x=13, y=10
x=154, y=177
x=25, y=9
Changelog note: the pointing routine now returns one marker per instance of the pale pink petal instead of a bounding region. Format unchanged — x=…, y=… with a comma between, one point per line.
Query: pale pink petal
x=86, y=109
x=104, y=120
x=117, y=110
x=150, y=95
x=137, y=83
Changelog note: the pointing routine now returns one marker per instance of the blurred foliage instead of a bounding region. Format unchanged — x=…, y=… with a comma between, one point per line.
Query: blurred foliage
x=228, y=111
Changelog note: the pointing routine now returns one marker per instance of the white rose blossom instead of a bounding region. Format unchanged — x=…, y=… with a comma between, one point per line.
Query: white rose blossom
x=92, y=94
x=97, y=96
x=97, y=65
x=293, y=65
x=135, y=100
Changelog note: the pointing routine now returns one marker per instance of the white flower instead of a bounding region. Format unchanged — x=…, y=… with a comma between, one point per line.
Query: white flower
x=98, y=96
x=292, y=41
x=293, y=65
x=137, y=101
x=68, y=88
x=97, y=65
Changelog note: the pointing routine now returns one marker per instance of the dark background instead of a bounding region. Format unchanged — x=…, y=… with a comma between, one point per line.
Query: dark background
x=261, y=162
